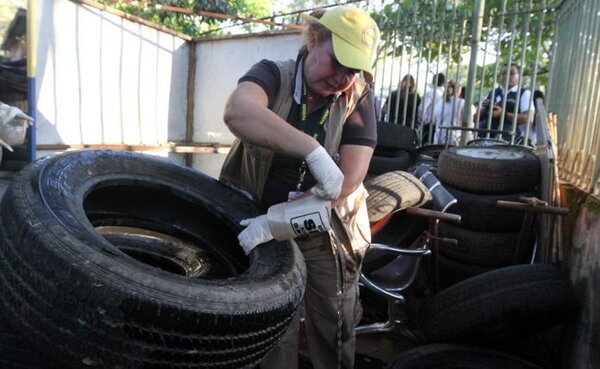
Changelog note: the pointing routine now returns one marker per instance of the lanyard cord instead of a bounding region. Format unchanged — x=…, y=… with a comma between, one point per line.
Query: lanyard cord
x=304, y=128
x=304, y=112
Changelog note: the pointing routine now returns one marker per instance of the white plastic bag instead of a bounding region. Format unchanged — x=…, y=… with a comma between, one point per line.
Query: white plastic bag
x=13, y=126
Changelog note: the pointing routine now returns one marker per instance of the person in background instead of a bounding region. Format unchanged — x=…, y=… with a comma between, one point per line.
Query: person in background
x=537, y=94
x=451, y=116
x=400, y=108
x=308, y=126
x=494, y=101
x=432, y=106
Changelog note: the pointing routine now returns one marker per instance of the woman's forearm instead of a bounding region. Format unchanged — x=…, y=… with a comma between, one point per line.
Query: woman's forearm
x=247, y=116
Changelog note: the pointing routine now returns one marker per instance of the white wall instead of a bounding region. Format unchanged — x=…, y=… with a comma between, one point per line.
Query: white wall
x=102, y=79
x=219, y=65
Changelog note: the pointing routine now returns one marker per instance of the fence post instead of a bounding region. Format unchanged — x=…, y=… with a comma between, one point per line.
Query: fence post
x=31, y=76
x=475, y=37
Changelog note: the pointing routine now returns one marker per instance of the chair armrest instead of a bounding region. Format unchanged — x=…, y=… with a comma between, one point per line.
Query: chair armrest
x=375, y=288
x=399, y=251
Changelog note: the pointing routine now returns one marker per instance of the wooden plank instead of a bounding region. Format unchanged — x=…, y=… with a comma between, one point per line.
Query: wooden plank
x=192, y=148
x=191, y=90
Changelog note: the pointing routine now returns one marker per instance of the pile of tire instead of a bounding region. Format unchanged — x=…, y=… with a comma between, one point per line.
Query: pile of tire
x=494, y=297
x=488, y=235
x=499, y=307
x=472, y=323
x=122, y=260
x=396, y=148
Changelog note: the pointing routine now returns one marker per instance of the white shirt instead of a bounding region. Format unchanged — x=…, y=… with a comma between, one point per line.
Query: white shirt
x=452, y=120
x=425, y=110
x=523, y=107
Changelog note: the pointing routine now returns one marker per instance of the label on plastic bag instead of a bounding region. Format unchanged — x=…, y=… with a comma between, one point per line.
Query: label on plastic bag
x=308, y=223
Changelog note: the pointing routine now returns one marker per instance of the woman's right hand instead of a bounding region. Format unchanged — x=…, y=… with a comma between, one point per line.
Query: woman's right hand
x=329, y=177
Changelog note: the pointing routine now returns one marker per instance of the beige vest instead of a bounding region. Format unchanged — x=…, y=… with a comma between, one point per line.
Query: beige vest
x=247, y=166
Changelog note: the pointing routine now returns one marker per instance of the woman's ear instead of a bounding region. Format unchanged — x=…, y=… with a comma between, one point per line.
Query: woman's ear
x=312, y=41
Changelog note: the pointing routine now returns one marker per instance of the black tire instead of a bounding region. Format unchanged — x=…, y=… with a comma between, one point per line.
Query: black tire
x=82, y=299
x=432, y=151
x=499, y=306
x=394, y=191
x=382, y=164
x=451, y=272
x=482, y=248
x=393, y=137
x=16, y=352
x=447, y=356
x=488, y=142
x=480, y=212
x=493, y=169
x=388, y=194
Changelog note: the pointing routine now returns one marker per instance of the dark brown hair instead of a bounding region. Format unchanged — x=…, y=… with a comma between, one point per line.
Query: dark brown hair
x=314, y=31
x=407, y=85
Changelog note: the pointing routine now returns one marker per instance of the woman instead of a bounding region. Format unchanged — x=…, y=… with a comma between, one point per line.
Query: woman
x=403, y=105
x=309, y=125
x=451, y=115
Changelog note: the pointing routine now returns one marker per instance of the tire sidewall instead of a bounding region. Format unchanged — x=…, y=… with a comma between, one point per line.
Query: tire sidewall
x=59, y=186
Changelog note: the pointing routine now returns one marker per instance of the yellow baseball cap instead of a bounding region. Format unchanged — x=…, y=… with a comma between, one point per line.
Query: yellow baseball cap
x=355, y=37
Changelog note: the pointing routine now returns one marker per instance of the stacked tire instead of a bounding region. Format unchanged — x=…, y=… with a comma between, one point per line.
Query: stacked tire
x=494, y=297
x=396, y=148
x=488, y=236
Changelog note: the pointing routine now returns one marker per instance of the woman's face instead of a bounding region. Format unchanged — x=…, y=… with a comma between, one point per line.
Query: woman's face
x=513, y=76
x=323, y=73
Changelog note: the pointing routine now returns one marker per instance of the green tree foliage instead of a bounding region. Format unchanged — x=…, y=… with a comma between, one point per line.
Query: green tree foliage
x=193, y=24
x=433, y=30
x=308, y=4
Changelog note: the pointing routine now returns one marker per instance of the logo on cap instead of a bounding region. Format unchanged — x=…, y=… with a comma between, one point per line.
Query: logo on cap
x=369, y=36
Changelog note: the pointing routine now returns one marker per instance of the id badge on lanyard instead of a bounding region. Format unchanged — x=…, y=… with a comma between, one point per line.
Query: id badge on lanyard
x=293, y=195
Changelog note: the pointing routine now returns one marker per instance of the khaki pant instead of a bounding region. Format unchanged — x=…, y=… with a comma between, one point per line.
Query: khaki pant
x=321, y=304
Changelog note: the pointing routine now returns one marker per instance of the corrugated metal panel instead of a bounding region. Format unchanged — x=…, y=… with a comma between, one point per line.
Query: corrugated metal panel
x=574, y=95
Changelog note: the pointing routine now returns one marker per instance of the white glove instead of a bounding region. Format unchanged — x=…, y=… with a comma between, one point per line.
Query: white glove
x=8, y=113
x=286, y=221
x=327, y=174
x=257, y=231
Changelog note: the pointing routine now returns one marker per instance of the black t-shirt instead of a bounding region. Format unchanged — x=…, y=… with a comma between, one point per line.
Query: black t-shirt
x=360, y=129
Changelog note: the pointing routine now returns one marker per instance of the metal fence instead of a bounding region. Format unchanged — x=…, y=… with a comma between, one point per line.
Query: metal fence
x=573, y=92
x=469, y=43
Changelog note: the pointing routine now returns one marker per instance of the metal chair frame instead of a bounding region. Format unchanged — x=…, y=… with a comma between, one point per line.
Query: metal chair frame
x=408, y=259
